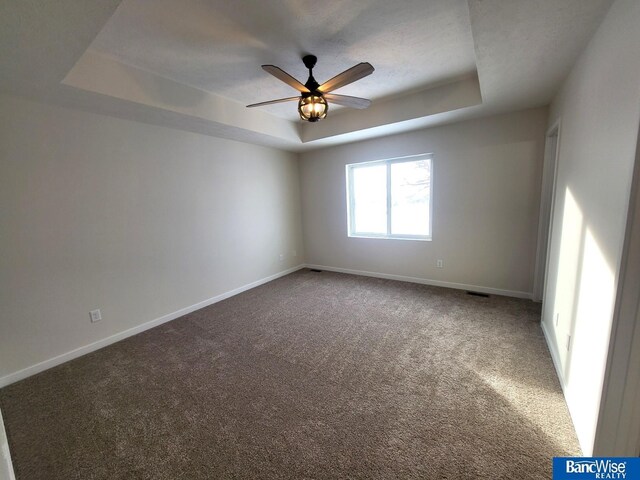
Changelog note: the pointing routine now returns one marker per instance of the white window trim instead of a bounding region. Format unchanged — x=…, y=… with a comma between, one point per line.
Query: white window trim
x=351, y=206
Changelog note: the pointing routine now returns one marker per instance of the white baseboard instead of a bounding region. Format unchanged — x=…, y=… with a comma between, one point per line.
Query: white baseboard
x=425, y=281
x=6, y=467
x=65, y=357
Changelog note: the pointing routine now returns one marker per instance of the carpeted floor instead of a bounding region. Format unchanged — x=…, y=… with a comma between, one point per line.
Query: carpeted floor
x=314, y=375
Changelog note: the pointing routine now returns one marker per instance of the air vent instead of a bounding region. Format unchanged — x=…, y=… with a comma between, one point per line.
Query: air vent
x=314, y=270
x=478, y=294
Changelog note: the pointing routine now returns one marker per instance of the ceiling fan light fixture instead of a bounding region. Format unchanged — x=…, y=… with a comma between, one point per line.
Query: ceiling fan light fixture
x=312, y=107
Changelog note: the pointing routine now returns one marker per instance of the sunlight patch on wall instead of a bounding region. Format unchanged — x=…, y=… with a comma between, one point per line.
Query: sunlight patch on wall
x=582, y=301
x=568, y=268
x=589, y=346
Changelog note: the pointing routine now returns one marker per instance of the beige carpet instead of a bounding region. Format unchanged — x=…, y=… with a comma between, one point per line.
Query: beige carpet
x=314, y=375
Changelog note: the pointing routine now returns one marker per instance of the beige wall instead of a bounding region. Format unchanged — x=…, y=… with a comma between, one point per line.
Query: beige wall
x=137, y=220
x=599, y=110
x=487, y=175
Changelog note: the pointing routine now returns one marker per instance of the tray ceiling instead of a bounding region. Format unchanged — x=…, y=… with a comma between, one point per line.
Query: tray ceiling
x=218, y=46
x=195, y=64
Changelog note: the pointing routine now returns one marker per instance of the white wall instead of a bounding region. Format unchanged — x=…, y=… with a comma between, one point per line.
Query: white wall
x=487, y=175
x=599, y=110
x=6, y=466
x=137, y=220
x=618, y=430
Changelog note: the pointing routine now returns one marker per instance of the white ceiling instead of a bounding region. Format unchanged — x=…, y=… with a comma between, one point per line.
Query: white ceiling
x=194, y=64
x=218, y=45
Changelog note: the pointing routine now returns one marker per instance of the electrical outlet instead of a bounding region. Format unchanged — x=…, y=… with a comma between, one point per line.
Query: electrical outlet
x=439, y=264
x=95, y=315
x=282, y=257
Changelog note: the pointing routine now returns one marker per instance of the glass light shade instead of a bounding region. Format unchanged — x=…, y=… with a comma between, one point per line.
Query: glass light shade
x=313, y=108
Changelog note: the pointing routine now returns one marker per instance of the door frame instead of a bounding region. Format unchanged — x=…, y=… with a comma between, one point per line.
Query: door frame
x=547, y=205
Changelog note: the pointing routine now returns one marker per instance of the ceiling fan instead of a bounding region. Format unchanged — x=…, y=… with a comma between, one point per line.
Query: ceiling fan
x=312, y=102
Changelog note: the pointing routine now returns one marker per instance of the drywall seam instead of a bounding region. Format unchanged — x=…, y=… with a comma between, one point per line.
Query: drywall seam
x=426, y=281
x=65, y=357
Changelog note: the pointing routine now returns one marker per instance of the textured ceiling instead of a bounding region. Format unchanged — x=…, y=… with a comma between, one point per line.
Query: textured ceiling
x=195, y=64
x=525, y=49
x=218, y=45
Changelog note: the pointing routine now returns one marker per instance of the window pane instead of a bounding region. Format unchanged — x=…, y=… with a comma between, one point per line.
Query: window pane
x=370, y=199
x=410, y=185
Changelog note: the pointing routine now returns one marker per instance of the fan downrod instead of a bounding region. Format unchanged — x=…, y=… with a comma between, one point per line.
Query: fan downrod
x=310, y=62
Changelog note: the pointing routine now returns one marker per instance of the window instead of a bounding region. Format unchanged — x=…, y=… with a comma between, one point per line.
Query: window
x=390, y=198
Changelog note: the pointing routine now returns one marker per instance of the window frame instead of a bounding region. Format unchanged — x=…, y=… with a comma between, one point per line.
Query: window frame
x=349, y=168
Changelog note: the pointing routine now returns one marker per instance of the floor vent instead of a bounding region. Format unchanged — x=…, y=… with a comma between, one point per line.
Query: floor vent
x=478, y=294
x=314, y=270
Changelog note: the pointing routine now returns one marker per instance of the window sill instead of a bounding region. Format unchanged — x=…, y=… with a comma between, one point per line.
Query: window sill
x=390, y=237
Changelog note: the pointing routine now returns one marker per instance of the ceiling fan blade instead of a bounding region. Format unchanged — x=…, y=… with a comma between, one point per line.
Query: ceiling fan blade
x=348, y=76
x=270, y=102
x=285, y=77
x=347, y=101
